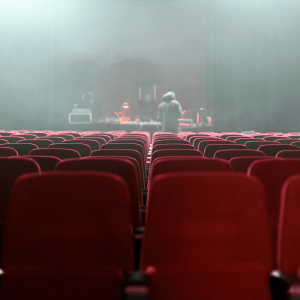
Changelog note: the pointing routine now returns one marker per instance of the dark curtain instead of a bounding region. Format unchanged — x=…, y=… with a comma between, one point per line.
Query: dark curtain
x=253, y=65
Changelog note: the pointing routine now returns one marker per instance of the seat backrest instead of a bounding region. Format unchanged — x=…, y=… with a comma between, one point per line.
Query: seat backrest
x=123, y=152
x=208, y=221
x=174, y=152
x=230, y=153
x=197, y=140
x=54, y=139
x=242, y=164
x=256, y=145
x=22, y=149
x=6, y=152
x=119, y=166
x=68, y=220
x=46, y=163
x=287, y=141
x=60, y=153
x=172, y=146
x=274, y=138
x=273, y=173
x=107, y=137
x=211, y=149
x=41, y=143
x=14, y=139
x=202, y=145
x=169, y=164
x=272, y=150
x=100, y=140
x=10, y=169
x=130, y=146
x=27, y=136
x=65, y=136
x=93, y=144
x=83, y=149
x=243, y=141
x=3, y=141
x=289, y=230
x=288, y=154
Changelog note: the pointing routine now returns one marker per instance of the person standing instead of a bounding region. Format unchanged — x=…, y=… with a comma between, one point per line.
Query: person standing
x=169, y=111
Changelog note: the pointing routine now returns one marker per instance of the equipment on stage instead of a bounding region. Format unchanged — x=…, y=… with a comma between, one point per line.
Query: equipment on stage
x=80, y=116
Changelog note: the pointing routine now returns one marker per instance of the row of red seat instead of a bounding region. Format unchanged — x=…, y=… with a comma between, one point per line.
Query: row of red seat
x=207, y=233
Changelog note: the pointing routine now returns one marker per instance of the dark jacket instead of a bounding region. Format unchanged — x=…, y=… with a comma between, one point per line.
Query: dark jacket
x=169, y=110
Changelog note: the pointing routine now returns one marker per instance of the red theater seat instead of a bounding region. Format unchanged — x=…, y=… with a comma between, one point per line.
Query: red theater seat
x=27, y=136
x=54, y=139
x=2, y=141
x=123, y=152
x=171, y=146
x=22, y=149
x=14, y=139
x=169, y=164
x=255, y=145
x=242, y=164
x=273, y=173
x=272, y=150
x=46, y=163
x=174, y=152
x=288, y=154
x=41, y=143
x=83, y=149
x=118, y=166
x=10, y=169
x=289, y=230
x=211, y=149
x=73, y=241
x=60, y=153
x=202, y=145
x=228, y=154
x=200, y=241
x=6, y=152
x=93, y=144
x=243, y=141
x=100, y=140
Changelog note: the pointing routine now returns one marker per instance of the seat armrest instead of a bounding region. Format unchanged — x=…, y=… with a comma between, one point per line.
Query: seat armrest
x=136, y=286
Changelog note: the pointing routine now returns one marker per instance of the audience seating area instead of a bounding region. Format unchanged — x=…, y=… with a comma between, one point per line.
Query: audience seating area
x=117, y=215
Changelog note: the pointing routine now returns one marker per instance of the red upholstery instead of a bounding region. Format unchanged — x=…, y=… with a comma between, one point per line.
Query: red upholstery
x=197, y=140
x=3, y=141
x=119, y=166
x=41, y=143
x=83, y=149
x=27, y=136
x=174, y=152
x=100, y=140
x=65, y=136
x=273, y=173
x=228, y=154
x=14, y=139
x=168, y=164
x=288, y=154
x=171, y=146
x=272, y=150
x=93, y=144
x=287, y=141
x=22, y=149
x=289, y=230
x=273, y=138
x=54, y=139
x=201, y=242
x=256, y=145
x=73, y=230
x=211, y=149
x=169, y=141
x=60, y=153
x=202, y=145
x=242, y=164
x=46, y=163
x=123, y=152
x=243, y=141
x=10, y=169
x=6, y=152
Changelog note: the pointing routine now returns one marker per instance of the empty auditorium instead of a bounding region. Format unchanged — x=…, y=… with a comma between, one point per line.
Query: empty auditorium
x=149, y=150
